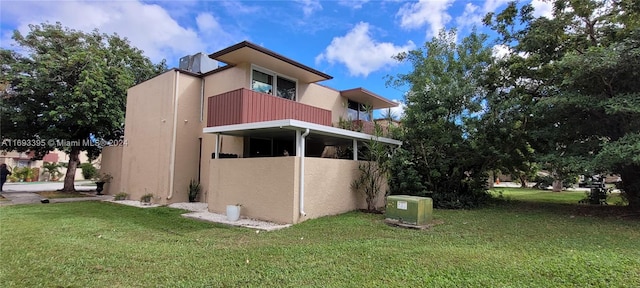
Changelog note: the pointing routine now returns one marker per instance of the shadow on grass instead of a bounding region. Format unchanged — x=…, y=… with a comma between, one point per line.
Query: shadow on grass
x=584, y=210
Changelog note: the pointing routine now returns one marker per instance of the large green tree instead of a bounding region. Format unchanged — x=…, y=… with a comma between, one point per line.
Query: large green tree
x=575, y=76
x=443, y=149
x=62, y=85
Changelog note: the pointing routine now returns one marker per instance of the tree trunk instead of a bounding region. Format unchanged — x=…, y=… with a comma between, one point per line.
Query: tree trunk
x=69, y=178
x=491, y=180
x=557, y=185
x=631, y=185
x=523, y=181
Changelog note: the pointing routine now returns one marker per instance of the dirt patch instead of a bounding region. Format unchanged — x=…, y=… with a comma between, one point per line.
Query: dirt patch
x=58, y=194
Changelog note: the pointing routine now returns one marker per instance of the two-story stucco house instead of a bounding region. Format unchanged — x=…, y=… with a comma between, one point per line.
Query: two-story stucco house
x=258, y=130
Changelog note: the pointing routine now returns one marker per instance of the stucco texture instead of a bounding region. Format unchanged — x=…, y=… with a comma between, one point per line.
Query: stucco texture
x=268, y=187
x=263, y=186
x=111, y=164
x=148, y=132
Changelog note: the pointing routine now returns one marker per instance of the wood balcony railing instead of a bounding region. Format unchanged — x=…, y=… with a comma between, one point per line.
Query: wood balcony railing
x=246, y=106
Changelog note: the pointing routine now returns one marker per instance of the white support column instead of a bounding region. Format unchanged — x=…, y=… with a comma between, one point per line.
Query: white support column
x=298, y=142
x=217, y=148
x=355, y=149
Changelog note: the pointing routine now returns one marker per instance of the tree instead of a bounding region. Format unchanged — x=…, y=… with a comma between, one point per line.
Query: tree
x=373, y=169
x=441, y=121
x=68, y=90
x=576, y=75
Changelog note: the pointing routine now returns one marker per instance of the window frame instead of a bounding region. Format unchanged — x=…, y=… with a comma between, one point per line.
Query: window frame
x=274, y=90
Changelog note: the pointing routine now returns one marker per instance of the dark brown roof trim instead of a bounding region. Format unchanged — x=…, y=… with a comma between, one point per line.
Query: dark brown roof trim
x=248, y=44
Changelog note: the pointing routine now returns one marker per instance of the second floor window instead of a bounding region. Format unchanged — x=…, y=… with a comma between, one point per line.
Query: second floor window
x=282, y=87
x=262, y=82
x=358, y=111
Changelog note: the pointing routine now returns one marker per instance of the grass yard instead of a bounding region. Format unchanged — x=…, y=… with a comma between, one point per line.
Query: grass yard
x=513, y=244
x=548, y=196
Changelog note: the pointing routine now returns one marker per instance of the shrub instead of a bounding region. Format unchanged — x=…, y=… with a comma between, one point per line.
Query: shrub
x=88, y=171
x=120, y=196
x=146, y=198
x=53, y=169
x=596, y=196
x=22, y=173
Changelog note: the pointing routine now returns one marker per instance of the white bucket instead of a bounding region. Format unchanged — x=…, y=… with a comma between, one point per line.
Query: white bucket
x=233, y=212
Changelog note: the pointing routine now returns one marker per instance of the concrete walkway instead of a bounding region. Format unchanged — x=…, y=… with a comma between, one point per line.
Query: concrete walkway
x=45, y=186
x=14, y=198
x=25, y=193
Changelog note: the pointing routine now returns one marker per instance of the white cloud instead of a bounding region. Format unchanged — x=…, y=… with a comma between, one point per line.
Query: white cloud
x=542, y=8
x=501, y=51
x=470, y=16
x=148, y=27
x=353, y=4
x=238, y=7
x=210, y=28
x=473, y=14
x=360, y=53
x=425, y=12
x=310, y=6
x=492, y=5
x=396, y=112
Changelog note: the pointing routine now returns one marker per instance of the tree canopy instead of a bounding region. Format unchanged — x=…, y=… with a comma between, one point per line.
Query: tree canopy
x=63, y=85
x=574, y=78
x=441, y=148
x=565, y=98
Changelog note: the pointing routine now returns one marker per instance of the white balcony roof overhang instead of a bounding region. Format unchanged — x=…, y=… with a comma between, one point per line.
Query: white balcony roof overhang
x=279, y=127
x=367, y=97
x=247, y=52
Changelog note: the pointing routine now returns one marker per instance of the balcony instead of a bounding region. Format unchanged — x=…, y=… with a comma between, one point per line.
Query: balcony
x=246, y=106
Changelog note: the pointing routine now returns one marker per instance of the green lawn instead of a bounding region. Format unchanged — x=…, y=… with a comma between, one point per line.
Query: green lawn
x=513, y=244
x=548, y=196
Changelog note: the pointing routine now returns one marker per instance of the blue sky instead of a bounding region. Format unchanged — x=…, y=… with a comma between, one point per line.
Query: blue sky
x=353, y=41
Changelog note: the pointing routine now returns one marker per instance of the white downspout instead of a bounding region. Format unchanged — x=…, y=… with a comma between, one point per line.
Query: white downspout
x=202, y=100
x=172, y=163
x=302, y=148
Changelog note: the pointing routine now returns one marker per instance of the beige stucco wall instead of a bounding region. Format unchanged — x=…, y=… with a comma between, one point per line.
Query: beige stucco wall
x=323, y=97
x=226, y=80
x=112, y=164
x=328, y=187
x=268, y=187
x=148, y=132
x=264, y=186
x=189, y=130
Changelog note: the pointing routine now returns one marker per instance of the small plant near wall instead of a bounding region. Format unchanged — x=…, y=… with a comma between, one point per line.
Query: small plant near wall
x=194, y=190
x=120, y=196
x=101, y=179
x=146, y=199
x=373, y=170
